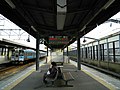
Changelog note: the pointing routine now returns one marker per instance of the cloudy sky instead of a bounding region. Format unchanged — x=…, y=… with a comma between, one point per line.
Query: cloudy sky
x=16, y=33
x=102, y=30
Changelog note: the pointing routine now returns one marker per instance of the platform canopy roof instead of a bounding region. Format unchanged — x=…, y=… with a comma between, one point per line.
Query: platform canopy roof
x=58, y=22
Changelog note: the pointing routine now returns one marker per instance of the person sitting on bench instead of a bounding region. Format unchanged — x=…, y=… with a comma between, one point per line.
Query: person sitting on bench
x=51, y=73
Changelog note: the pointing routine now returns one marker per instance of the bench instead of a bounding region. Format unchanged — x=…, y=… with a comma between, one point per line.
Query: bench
x=67, y=76
x=52, y=79
x=59, y=63
x=60, y=70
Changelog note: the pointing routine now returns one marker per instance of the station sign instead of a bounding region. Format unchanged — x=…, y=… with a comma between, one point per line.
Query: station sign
x=56, y=40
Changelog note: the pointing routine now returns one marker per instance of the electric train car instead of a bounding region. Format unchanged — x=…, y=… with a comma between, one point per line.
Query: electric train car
x=23, y=55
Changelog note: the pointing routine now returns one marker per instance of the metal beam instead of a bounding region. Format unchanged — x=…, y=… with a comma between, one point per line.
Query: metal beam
x=90, y=16
x=37, y=51
x=11, y=4
x=92, y=38
x=78, y=54
x=41, y=10
x=61, y=14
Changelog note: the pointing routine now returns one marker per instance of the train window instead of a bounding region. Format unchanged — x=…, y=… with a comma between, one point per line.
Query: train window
x=25, y=54
x=16, y=55
x=16, y=52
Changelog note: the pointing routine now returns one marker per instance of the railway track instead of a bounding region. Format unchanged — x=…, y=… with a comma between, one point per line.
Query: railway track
x=4, y=65
x=11, y=70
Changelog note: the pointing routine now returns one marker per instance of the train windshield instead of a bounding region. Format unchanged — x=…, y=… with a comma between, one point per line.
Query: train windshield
x=13, y=52
x=21, y=52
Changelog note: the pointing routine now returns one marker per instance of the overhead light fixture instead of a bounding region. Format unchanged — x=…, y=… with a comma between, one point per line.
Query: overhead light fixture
x=83, y=28
x=84, y=37
x=110, y=24
x=97, y=25
x=84, y=40
x=33, y=28
x=41, y=41
x=10, y=4
x=28, y=40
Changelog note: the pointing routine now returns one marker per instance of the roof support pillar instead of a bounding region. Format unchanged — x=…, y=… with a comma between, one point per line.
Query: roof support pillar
x=68, y=55
x=8, y=53
x=67, y=51
x=63, y=56
x=2, y=51
x=37, y=51
x=47, y=55
x=78, y=54
x=47, y=51
x=108, y=57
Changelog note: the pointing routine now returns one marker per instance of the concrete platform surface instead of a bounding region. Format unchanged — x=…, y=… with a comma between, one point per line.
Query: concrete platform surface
x=82, y=81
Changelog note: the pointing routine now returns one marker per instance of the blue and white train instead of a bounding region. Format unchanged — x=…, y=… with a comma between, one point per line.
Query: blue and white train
x=24, y=55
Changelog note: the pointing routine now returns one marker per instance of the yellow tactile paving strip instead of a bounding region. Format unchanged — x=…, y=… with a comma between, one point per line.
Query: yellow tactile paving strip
x=109, y=86
x=18, y=80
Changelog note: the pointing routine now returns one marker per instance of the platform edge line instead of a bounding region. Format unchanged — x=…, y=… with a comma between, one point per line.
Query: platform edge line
x=106, y=84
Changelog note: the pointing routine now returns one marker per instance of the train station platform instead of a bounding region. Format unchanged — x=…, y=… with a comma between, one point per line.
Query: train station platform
x=29, y=79
x=3, y=59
